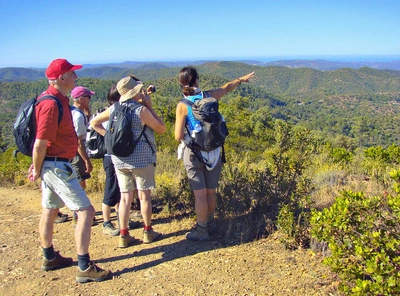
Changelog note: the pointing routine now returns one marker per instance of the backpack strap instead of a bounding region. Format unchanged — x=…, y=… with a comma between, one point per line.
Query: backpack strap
x=187, y=102
x=85, y=118
x=146, y=138
x=206, y=94
x=60, y=107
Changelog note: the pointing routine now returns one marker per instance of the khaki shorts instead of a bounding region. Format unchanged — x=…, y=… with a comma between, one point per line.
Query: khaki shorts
x=199, y=176
x=141, y=179
x=60, y=187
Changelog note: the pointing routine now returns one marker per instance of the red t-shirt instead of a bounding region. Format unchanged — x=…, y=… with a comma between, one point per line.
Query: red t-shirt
x=62, y=138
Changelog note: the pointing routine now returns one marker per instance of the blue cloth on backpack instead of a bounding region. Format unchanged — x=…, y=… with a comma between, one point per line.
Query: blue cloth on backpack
x=209, y=157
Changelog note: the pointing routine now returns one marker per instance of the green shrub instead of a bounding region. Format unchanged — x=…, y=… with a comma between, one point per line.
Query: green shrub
x=363, y=235
x=14, y=169
x=341, y=155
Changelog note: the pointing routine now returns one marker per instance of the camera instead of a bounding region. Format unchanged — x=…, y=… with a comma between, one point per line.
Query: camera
x=151, y=89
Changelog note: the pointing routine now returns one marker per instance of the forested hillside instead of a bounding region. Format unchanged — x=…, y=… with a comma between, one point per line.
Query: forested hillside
x=360, y=107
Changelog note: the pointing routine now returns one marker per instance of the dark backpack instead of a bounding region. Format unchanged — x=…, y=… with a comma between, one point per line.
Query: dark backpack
x=119, y=137
x=213, y=130
x=24, y=126
x=95, y=146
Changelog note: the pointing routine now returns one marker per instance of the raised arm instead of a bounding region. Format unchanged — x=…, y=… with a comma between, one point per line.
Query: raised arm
x=96, y=122
x=150, y=118
x=218, y=93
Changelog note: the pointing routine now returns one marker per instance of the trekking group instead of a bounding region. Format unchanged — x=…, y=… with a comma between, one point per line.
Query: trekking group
x=65, y=138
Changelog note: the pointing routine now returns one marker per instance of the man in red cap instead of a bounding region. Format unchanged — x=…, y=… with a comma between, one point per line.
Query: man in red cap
x=55, y=145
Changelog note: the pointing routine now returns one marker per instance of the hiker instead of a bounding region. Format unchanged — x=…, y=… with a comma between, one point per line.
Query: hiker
x=54, y=147
x=135, y=171
x=80, y=114
x=203, y=177
x=112, y=194
x=80, y=111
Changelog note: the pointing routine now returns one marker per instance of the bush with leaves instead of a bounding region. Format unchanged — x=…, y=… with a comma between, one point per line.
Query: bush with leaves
x=255, y=192
x=378, y=161
x=363, y=235
x=14, y=169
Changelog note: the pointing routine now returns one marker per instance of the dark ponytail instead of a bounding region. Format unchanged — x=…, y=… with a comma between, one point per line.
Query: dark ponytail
x=187, y=79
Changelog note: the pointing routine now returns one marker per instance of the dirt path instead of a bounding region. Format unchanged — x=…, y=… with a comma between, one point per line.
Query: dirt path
x=171, y=266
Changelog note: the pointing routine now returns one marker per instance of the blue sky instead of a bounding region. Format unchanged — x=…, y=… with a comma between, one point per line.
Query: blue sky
x=32, y=32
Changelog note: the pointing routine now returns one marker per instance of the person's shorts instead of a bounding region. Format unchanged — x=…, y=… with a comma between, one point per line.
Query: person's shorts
x=80, y=167
x=112, y=193
x=199, y=176
x=141, y=179
x=60, y=187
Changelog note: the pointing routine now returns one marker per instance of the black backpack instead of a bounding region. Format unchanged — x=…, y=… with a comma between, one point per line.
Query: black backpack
x=95, y=146
x=119, y=137
x=213, y=130
x=24, y=126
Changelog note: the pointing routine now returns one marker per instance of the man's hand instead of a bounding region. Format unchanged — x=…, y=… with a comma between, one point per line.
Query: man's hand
x=32, y=174
x=89, y=166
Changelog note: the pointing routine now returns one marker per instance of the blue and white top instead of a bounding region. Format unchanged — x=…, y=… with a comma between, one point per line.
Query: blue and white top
x=143, y=155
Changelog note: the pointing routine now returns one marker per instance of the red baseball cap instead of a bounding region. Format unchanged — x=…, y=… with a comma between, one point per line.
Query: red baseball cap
x=59, y=67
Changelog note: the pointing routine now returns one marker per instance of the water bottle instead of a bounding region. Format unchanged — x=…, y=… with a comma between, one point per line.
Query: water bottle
x=197, y=128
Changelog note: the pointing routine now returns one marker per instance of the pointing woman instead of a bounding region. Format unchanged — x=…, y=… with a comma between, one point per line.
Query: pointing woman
x=203, y=175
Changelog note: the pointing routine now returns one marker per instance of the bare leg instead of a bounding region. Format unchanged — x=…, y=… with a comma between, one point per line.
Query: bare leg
x=211, y=202
x=83, y=230
x=83, y=184
x=124, y=208
x=145, y=206
x=201, y=205
x=46, y=226
x=106, y=212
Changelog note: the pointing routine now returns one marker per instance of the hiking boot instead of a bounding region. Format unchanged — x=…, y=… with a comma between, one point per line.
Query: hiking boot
x=150, y=236
x=127, y=240
x=136, y=215
x=109, y=229
x=56, y=263
x=198, y=234
x=212, y=227
x=92, y=274
x=61, y=218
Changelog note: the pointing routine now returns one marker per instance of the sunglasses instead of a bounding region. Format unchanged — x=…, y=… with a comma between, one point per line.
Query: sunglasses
x=87, y=96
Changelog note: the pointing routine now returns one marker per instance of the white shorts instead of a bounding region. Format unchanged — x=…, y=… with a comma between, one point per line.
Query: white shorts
x=60, y=187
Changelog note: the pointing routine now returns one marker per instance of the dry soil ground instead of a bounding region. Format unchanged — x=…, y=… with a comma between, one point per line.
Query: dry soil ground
x=170, y=266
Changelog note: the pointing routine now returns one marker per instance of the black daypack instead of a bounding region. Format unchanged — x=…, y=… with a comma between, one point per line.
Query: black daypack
x=95, y=146
x=213, y=129
x=24, y=126
x=119, y=138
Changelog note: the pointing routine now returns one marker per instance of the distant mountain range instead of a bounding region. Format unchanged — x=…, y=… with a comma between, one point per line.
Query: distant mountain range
x=108, y=71
x=322, y=65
